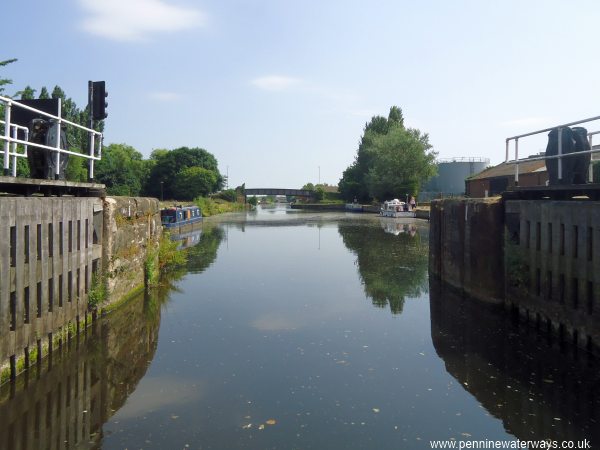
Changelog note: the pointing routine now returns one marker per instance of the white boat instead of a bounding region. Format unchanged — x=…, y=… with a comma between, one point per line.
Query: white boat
x=396, y=208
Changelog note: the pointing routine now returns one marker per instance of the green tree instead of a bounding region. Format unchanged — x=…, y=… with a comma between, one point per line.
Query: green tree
x=44, y=94
x=5, y=81
x=319, y=193
x=403, y=160
x=122, y=169
x=77, y=169
x=27, y=94
x=192, y=182
x=353, y=184
x=361, y=180
x=253, y=201
x=308, y=187
x=167, y=165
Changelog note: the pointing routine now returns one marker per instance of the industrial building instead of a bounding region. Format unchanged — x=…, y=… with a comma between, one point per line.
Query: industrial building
x=450, y=180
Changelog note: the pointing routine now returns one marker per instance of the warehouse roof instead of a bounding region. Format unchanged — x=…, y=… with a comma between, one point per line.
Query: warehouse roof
x=508, y=169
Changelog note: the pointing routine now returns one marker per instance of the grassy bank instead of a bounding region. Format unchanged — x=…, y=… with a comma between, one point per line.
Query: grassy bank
x=209, y=206
x=213, y=206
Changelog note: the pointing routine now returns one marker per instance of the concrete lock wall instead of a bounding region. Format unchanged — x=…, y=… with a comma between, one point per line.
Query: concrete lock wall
x=50, y=247
x=466, y=246
x=553, y=266
x=540, y=258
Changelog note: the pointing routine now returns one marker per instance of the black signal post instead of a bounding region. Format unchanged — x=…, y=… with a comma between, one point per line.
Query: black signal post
x=98, y=100
x=97, y=107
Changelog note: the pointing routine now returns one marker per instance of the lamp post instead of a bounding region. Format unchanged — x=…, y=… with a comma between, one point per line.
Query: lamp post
x=161, y=191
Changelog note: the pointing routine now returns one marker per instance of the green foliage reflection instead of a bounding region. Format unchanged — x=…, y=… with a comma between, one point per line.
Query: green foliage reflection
x=392, y=267
x=203, y=254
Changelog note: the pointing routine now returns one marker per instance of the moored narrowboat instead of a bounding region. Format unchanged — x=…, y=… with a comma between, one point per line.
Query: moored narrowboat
x=180, y=217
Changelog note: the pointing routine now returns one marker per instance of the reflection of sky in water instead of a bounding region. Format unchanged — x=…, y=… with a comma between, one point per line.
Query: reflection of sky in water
x=279, y=327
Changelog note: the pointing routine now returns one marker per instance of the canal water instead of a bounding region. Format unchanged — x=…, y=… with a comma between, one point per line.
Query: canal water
x=296, y=330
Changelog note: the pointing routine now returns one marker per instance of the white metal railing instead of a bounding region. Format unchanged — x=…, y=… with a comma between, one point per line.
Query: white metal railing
x=560, y=155
x=469, y=159
x=10, y=138
x=13, y=153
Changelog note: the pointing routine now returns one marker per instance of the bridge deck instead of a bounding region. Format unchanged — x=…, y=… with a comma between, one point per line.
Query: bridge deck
x=279, y=191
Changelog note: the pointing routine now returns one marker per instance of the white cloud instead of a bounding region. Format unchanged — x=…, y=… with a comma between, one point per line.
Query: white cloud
x=274, y=82
x=165, y=96
x=136, y=20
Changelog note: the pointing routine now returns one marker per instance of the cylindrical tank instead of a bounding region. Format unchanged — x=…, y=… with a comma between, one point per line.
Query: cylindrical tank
x=452, y=173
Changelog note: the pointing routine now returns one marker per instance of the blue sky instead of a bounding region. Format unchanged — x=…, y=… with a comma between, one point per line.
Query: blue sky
x=278, y=89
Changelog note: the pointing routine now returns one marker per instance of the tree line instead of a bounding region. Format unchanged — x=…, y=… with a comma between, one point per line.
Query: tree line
x=183, y=173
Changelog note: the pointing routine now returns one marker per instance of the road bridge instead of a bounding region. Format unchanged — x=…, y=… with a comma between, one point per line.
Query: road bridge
x=276, y=191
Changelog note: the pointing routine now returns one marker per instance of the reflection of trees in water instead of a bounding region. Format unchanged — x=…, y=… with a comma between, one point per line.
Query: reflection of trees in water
x=538, y=389
x=204, y=253
x=391, y=267
x=78, y=388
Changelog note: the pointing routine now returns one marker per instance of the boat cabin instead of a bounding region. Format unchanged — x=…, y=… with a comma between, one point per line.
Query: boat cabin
x=396, y=208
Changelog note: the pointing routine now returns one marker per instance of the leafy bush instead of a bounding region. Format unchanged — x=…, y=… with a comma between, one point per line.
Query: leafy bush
x=160, y=257
x=211, y=207
x=230, y=195
x=98, y=291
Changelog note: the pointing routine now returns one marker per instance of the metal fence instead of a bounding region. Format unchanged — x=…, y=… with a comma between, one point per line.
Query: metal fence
x=560, y=154
x=11, y=141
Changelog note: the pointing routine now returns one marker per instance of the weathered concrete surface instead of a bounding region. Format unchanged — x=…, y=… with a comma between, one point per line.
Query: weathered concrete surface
x=553, y=266
x=466, y=246
x=131, y=224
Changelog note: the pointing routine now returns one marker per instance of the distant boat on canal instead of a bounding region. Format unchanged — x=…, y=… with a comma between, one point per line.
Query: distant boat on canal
x=178, y=218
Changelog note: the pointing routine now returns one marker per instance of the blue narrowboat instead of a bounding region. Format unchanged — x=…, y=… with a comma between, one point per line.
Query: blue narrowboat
x=178, y=217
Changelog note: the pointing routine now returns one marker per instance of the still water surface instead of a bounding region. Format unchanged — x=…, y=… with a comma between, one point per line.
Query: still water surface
x=299, y=330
